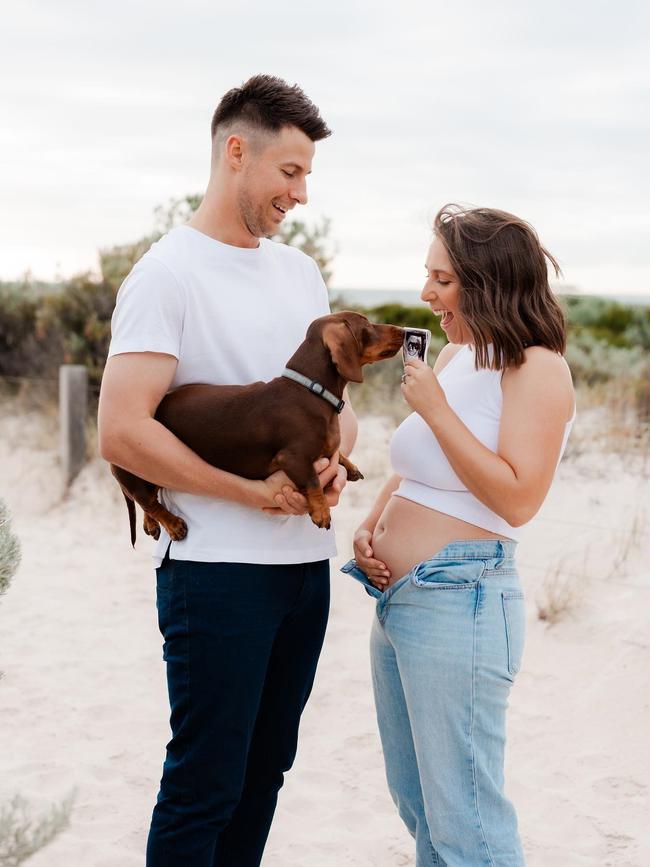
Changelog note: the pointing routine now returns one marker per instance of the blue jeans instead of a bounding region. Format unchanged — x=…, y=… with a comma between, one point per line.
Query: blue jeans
x=241, y=643
x=446, y=645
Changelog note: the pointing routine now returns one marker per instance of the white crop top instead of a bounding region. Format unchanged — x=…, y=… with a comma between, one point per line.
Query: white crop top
x=428, y=478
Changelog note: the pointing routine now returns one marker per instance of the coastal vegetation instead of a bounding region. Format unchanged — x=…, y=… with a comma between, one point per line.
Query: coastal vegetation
x=44, y=325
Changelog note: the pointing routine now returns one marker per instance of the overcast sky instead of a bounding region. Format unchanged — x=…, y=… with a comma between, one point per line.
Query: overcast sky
x=542, y=109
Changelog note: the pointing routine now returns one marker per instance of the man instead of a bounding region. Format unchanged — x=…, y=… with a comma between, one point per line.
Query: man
x=243, y=600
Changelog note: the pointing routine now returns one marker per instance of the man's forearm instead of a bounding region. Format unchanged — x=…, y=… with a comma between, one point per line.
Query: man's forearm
x=349, y=427
x=152, y=452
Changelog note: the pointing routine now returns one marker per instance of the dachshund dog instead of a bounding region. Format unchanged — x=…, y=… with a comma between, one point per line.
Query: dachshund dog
x=285, y=424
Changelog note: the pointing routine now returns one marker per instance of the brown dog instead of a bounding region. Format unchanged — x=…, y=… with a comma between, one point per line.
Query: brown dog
x=254, y=430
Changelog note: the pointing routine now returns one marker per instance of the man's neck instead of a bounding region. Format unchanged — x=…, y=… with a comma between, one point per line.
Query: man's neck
x=216, y=218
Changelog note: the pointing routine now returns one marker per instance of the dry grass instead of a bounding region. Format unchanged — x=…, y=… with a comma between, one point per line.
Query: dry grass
x=380, y=393
x=561, y=594
x=564, y=586
x=628, y=543
x=612, y=420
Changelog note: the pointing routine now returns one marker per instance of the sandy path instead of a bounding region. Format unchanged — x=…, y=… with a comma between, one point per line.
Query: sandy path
x=83, y=702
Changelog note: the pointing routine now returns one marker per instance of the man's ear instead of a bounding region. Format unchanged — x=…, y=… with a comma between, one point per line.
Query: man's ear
x=344, y=350
x=234, y=151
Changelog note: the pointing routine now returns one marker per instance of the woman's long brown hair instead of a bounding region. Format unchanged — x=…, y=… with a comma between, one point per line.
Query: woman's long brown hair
x=505, y=298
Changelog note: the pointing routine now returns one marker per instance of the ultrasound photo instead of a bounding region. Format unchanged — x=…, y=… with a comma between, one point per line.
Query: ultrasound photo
x=416, y=344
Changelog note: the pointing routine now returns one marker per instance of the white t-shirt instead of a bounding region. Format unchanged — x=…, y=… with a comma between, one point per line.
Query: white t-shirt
x=230, y=315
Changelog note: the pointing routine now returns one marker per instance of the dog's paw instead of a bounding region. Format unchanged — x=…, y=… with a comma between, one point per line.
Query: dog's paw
x=354, y=474
x=177, y=529
x=321, y=517
x=151, y=527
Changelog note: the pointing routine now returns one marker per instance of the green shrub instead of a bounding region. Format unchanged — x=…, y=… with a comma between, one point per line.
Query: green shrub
x=75, y=325
x=610, y=322
x=9, y=550
x=399, y=314
x=593, y=360
x=21, y=836
x=17, y=330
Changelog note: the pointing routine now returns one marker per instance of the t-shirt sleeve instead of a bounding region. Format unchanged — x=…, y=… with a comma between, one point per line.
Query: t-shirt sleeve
x=322, y=298
x=149, y=311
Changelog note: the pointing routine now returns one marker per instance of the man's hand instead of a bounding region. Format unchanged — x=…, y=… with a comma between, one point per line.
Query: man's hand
x=332, y=476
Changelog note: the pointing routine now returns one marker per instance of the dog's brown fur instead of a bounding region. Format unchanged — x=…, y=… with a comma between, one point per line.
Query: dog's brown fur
x=254, y=430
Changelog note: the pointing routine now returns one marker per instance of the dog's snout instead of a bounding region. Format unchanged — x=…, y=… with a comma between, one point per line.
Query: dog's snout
x=392, y=334
x=387, y=341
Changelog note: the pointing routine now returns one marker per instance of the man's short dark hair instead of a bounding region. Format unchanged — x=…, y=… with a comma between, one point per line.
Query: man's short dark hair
x=268, y=103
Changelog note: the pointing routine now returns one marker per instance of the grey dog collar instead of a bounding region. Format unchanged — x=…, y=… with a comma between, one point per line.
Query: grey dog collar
x=315, y=387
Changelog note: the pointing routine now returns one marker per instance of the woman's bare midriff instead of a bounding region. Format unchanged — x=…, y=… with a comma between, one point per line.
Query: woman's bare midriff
x=408, y=533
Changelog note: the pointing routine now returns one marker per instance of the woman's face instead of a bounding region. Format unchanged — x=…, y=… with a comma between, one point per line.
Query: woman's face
x=441, y=292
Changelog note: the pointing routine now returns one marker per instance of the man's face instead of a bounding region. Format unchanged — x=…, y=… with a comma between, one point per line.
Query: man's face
x=274, y=179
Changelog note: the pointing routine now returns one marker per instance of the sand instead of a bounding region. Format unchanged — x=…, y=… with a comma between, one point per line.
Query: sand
x=83, y=702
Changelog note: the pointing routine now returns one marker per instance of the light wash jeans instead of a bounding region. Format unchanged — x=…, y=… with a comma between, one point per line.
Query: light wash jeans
x=446, y=645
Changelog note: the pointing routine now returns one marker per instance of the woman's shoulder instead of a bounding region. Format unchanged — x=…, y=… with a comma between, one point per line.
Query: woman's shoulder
x=448, y=351
x=542, y=360
x=542, y=370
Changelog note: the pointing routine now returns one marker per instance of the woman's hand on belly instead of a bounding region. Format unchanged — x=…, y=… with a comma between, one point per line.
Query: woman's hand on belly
x=377, y=572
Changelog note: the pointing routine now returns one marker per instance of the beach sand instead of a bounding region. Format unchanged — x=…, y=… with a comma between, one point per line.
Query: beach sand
x=83, y=701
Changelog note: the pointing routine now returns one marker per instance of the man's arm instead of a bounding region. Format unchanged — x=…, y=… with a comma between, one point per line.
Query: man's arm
x=132, y=387
x=349, y=426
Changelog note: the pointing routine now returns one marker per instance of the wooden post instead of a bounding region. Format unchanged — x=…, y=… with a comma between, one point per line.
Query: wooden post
x=73, y=404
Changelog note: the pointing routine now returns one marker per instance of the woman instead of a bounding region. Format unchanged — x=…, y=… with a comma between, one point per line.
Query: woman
x=473, y=464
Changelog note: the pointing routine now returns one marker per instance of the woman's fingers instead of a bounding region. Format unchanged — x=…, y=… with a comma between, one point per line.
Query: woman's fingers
x=376, y=570
x=373, y=568
x=374, y=564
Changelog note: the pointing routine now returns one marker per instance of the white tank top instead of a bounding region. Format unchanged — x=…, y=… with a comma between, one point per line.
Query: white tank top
x=428, y=478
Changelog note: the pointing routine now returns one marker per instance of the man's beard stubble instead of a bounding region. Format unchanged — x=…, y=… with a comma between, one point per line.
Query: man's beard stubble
x=253, y=217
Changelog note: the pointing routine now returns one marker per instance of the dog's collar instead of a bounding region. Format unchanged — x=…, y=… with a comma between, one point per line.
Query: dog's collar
x=315, y=387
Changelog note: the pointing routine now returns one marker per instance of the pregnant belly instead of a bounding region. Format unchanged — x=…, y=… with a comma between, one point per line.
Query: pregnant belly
x=408, y=533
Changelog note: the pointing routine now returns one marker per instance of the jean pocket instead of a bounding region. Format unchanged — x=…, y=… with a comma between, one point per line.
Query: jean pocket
x=165, y=575
x=448, y=574
x=514, y=615
x=351, y=568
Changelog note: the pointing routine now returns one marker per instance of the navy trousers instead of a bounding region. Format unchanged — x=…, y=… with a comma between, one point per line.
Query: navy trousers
x=241, y=643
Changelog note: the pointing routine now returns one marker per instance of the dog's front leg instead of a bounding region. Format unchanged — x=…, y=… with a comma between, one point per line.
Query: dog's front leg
x=302, y=473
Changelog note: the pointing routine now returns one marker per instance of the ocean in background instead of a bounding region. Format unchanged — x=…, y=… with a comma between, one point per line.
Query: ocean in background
x=411, y=297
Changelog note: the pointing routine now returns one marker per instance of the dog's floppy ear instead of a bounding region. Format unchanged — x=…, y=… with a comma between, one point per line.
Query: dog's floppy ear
x=344, y=349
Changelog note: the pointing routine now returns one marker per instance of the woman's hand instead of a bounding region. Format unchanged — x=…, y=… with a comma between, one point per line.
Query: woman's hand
x=421, y=388
x=376, y=571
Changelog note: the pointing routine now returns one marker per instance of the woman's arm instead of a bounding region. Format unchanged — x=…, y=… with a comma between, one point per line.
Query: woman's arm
x=370, y=521
x=537, y=402
x=362, y=542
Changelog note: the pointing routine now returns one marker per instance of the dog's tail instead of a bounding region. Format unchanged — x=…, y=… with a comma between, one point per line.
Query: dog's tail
x=130, y=505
